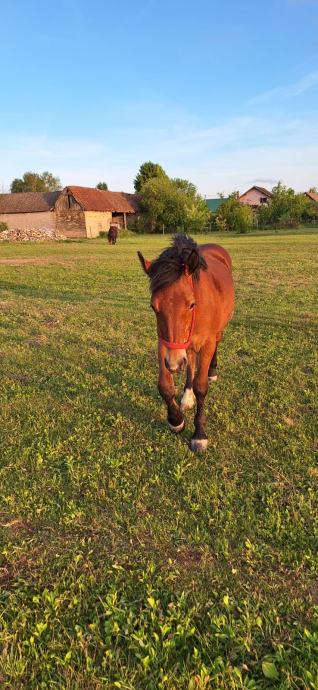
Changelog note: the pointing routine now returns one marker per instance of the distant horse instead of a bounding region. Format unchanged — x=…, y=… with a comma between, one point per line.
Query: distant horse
x=192, y=295
x=112, y=234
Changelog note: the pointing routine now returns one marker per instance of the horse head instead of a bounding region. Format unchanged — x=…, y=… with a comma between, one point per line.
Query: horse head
x=172, y=289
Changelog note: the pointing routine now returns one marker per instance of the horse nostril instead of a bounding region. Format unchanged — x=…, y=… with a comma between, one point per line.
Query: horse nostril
x=167, y=363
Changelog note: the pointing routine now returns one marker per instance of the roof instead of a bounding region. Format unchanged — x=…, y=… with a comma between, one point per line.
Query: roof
x=213, y=204
x=262, y=190
x=91, y=199
x=28, y=202
x=313, y=196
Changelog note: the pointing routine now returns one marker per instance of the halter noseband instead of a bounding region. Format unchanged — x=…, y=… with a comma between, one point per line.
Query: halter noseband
x=181, y=346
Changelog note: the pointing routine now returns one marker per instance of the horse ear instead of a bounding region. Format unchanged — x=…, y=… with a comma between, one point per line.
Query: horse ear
x=192, y=262
x=146, y=263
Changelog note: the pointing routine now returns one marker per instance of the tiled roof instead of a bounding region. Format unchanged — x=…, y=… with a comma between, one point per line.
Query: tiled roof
x=91, y=199
x=27, y=202
x=313, y=196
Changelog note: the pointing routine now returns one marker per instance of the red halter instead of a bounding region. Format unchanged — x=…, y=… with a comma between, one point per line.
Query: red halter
x=181, y=346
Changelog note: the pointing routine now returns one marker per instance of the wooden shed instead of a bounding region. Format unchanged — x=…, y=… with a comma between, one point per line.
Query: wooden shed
x=28, y=209
x=86, y=211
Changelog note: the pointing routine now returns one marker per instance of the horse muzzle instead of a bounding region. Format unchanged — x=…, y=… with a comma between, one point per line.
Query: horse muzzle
x=176, y=361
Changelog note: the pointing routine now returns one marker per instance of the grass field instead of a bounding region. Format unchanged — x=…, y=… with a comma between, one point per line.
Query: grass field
x=127, y=561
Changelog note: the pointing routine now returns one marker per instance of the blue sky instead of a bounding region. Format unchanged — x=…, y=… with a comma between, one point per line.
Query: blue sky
x=222, y=93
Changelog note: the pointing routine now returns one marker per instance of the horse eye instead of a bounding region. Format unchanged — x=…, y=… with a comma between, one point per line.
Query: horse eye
x=192, y=305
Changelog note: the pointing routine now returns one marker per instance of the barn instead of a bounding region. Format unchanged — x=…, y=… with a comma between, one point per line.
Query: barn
x=85, y=211
x=28, y=210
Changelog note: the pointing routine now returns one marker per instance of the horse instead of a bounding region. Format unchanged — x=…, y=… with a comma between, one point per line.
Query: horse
x=112, y=234
x=192, y=295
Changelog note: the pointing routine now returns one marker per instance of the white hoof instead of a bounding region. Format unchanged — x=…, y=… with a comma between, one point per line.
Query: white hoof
x=198, y=445
x=176, y=429
x=187, y=400
x=214, y=378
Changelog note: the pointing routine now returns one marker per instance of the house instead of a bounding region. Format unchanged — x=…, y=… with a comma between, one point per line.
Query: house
x=86, y=211
x=313, y=196
x=28, y=209
x=255, y=196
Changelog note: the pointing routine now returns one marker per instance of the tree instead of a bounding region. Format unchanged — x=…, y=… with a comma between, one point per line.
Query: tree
x=103, y=186
x=285, y=208
x=163, y=204
x=197, y=212
x=146, y=172
x=34, y=182
x=313, y=190
x=173, y=204
x=185, y=186
x=232, y=216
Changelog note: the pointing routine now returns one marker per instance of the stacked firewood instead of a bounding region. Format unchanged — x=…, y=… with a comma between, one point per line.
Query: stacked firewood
x=30, y=235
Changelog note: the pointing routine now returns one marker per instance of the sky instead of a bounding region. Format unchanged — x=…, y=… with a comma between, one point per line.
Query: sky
x=224, y=94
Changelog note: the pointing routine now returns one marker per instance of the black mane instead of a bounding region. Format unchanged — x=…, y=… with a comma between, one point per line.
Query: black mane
x=169, y=266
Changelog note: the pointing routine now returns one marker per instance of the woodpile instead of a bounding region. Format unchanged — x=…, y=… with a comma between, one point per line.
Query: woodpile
x=30, y=235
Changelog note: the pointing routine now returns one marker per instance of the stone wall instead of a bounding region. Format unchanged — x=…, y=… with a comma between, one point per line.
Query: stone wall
x=71, y=223
x=46, y=219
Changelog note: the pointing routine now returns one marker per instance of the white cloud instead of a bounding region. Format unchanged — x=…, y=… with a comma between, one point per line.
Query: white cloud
x=223, y=157
x=299, y=87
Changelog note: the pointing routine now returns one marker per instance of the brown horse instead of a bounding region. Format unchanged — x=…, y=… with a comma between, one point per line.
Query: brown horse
x=112, y=234
x=192, y=295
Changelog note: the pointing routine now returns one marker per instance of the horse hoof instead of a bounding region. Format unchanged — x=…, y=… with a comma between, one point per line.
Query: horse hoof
x=177, y=429
x=187, y=400
x=199, y=445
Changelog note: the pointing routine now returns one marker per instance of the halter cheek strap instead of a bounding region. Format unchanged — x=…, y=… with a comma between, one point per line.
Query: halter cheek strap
x=181, y=346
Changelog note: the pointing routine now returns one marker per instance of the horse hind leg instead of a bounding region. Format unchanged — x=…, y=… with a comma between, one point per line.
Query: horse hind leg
x=212, y=373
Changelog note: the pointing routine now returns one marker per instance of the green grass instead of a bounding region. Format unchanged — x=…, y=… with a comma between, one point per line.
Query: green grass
x=127, y=561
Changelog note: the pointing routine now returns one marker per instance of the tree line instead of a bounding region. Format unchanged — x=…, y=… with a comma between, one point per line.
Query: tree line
x=285, y=209
x=174, y=204
x=41, y=182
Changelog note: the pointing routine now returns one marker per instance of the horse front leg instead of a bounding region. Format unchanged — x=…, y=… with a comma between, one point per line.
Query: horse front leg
x=199, y=440
x=167, y=391
x=188, y=398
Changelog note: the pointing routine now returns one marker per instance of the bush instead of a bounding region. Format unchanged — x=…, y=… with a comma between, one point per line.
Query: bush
x=140, y=225
x=3, y=227
x=286, y=209
x=311, y=214
x=103, y=234
x=232, y=216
